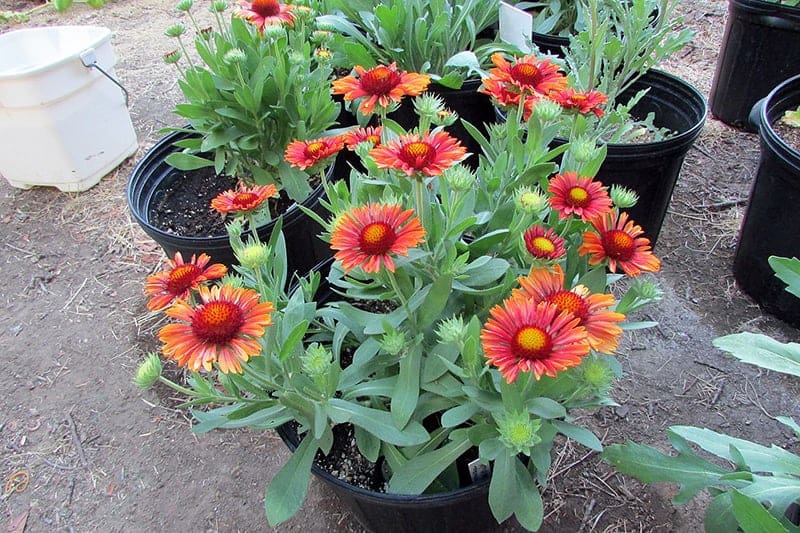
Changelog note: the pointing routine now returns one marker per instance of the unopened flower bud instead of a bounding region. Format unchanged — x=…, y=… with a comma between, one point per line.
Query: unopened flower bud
x=583, y=149
x=184, y=5
x=296, y=58
x=459, y=177
x=218, y=6
x=273, y=32
x=596, y=374
x=518, y=431
x=176, y=30
x=207, y=32
x=254, y=256
x=394, y=342
x=547, y=110
x=647, y=289
x=530, y=200
x=452, y=330
x=429, y=105
x=623, y=197
x=321, y=36
x=148, y=372
x=234, y=55
x=316, y=360
x=234, y=280
x=326, y=27
x=172, y=57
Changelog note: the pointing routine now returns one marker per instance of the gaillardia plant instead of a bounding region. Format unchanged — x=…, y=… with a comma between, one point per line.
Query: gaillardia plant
x=465, y=314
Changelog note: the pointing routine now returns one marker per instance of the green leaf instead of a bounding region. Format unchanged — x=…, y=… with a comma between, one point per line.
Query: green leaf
x=287, y=490
x=293, y=340
x=367, y=443
x=418, y=473
x=752, y=516
x=579, y=434
x=183, y=161
x=406, y=390
x=530, y=509
x=377, y=422
x=790, y=423
x=545, y=407
x=762, y=351
x=434, y=302
x=458, y=414
x=503, y=493
x=62, y=5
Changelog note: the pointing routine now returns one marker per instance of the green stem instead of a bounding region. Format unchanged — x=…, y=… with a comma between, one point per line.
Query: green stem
x=418, y=198
x=593, y=55
x=401, y=297
x=175, y=386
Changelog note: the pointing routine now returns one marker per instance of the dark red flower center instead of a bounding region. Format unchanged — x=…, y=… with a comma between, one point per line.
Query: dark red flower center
x=217, y=322
x=531, y=342
x=417, y=154
x=618, y=245
x=245, y=200
x=525, y=73
x=569, y=301
x=379, y=80
x=266, y=8
x=182, y=277
x=377, y=238
x=578, y=197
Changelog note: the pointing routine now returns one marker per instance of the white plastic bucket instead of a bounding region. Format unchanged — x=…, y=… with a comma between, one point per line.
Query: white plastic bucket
x=62, y=124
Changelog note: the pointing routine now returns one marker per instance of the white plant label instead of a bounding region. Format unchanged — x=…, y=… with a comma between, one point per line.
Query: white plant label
x=516, y=27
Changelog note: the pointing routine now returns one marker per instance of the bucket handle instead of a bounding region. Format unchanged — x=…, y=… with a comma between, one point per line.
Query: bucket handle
x=89, y=60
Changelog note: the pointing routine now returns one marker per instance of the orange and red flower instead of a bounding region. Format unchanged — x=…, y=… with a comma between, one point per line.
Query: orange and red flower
x=224, y=327
x=381, y=85
x=619, y=241
x=584, y=102
x=426, y=154
x=523, y=336
x=356, y=136
x=592, y=310
x=262, y=13
x=543, y=243
x=305, y=154
x=244, y=199
x=528, y=74
x=366, y=236
x=179, y=279
x=582, y=197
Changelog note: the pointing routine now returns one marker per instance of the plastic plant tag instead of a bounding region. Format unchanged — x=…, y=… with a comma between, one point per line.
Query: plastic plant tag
x=478, y=471
x=515, y=27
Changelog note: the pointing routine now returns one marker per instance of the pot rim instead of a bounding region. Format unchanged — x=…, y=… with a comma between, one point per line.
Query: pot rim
x=785, y=95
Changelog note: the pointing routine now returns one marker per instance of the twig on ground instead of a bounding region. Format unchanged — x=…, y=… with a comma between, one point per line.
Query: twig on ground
x=76, y=440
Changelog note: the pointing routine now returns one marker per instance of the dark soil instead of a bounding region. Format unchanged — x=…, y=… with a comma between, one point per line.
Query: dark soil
x=789, y=134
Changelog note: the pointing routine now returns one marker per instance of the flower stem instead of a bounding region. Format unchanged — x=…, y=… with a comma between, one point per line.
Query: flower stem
x=418, y=198
x=401, y=297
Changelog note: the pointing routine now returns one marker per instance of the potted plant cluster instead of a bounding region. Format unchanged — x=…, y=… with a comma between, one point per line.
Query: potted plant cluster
x=760, y=49
x=245, y=100
x=465, y=315
x=769, y=223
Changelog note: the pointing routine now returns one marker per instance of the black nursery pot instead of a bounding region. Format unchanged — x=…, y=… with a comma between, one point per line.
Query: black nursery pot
x=652, y=169
x=471, y=106
x=465, y=510
x=760, y=49
x=153, y=174
x=770, y=225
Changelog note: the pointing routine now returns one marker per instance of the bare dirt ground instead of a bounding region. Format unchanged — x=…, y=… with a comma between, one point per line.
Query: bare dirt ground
x=99, y=455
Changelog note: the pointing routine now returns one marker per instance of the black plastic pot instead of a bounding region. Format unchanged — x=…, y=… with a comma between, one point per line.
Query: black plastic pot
x=472, y=106
x=465, y=510
x=652, y=169
x=772, y=219
x=760, y=49
x=153, y=174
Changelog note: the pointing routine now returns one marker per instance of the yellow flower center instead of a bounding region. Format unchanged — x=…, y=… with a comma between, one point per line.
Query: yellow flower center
x=217, y=322
x=376, y=238
x=531, y=342
x=578, y=196
x=543, y=245
x=314, y=148
x=569, y=301
x=618, y=245
x=181, y=278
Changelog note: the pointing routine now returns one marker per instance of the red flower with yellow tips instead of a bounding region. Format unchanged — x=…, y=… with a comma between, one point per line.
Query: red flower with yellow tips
x=356, y=136
x=528, y=74
x=582, y=197
x=305, y=154
x=523, y=336
x=262, y=13
x=619, y=241
x=369, y=235
x=179, y=279
x=592, y=310
x=428, y=154
x=543, y=243
x=243, y=199
x=584, y=102
x=224, y=327
x=381, y=85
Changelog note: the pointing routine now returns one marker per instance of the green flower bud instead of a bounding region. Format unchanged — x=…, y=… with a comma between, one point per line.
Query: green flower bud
x=235, y=281
x=207, y=32
x=316, y=360
x=296, y=58
x=647, y=290
x=429, y=105
x=148, y=372
x=394, y=342
x=234, y=55
x=172, y=57
x=176, y=30
x=583, y=149
x=321, y=36
x=326, y=27
x=452, y=330
x=218, y=6
x=531, y=201
x=596, y=374
x=459, y=178
x=518, y=431
x=547, y=110
x=623, y=197
x=254, y=256
x=184, y=5
x=273, y=32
